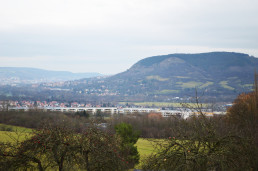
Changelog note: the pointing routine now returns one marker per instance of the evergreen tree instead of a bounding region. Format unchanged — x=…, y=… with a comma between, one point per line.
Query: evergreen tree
x=129, y=138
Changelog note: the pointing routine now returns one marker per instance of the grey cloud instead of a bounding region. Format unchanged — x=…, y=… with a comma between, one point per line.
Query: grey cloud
x=125, y=31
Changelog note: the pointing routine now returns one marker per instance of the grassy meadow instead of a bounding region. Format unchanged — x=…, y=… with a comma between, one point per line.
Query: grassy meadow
x=7, y=136
x=11, y=133
x=145, y=147
x=12, y=128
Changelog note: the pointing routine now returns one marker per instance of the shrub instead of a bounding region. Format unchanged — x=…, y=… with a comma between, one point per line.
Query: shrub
x=59, y=146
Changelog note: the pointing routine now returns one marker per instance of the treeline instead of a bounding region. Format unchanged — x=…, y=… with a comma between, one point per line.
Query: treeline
x=34, y=119
x=148, y=125
x=155, y=126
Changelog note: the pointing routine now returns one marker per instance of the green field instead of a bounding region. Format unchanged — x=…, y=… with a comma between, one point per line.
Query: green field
x=208, y=83
x=225, y=85
x=156, y=77
x=181, y=77
x=167, y=91
x=190, y=84
x=14, y=128
x=248, y=85
x=6, y=136
x=14, y=133
x=145, y=147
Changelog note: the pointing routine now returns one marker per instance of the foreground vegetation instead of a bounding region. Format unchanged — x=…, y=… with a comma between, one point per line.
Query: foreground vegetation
x=144, y=146
x=57, y=146
x=226, y=143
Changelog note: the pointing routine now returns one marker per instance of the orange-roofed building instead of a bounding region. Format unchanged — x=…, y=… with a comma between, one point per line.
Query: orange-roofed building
x=155, y=116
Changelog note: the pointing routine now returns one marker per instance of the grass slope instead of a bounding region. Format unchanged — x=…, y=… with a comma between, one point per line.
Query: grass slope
x=10, y=133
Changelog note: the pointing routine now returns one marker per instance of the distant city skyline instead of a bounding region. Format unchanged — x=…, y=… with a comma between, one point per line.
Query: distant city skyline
x=108, y=37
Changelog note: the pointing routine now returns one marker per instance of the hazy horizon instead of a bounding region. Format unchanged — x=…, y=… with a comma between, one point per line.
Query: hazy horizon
x=103, y=74
x=108, y=37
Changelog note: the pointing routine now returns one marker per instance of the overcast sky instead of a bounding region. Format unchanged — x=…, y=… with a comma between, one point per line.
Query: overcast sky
x=109, y=36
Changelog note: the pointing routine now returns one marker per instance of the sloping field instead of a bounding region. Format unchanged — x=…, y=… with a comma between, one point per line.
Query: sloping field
x=11, y=128
x=11, y=133
x=145, y=147
x=7, y=136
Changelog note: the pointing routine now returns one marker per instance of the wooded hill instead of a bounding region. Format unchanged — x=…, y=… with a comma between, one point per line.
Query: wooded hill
x=220, y=76
x=215, y=74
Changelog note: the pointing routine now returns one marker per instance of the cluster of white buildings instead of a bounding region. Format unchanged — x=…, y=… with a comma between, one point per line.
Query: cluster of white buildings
x=184, y=113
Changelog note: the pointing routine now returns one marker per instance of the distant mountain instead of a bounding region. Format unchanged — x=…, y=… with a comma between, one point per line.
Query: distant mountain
x=216, y=74
x=214, y=65
x=11, y=75
x=219, y=76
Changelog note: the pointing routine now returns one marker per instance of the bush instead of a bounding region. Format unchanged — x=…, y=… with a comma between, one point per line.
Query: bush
x=203, y=149
x=59, y=146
